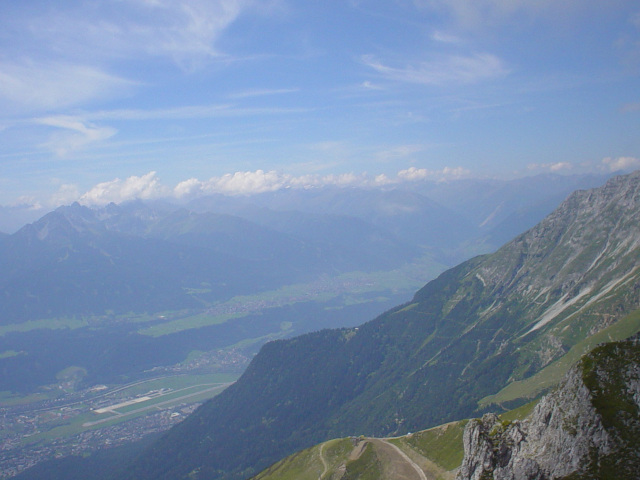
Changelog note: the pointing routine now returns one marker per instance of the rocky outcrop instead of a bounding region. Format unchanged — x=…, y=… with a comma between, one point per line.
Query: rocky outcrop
x=587, y=428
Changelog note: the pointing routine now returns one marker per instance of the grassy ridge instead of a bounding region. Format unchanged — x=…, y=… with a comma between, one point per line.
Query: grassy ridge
x=438, y=451
x=441, y=445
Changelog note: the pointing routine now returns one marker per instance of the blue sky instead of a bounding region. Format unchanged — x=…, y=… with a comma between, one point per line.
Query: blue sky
x=111, y=100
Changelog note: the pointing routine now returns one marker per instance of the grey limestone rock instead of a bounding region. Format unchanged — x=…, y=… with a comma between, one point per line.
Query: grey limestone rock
x=588, y=428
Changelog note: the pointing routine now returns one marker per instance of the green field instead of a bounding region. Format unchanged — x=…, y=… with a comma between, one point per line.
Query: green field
x=10, y=399
x=352, y=285
x=48, y=323
x=10, y=353
x=355, y=287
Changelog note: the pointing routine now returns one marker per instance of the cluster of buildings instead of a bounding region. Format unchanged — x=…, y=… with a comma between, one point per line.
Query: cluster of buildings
x=15, y=458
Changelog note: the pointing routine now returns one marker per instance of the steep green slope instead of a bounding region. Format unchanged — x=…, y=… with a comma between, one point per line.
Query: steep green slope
x=490, y=321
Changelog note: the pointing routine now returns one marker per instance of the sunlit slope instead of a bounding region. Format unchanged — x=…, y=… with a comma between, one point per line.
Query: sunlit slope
x=434, y=454
x=478, y=327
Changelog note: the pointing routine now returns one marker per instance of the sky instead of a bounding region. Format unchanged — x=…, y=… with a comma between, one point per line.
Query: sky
x=112, y=100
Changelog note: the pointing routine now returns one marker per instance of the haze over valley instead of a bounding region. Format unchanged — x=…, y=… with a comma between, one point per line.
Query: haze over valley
x=144, y=296
x=274, y=239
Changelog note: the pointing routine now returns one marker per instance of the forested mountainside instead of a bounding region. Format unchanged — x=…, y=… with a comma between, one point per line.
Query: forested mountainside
x=490, y=322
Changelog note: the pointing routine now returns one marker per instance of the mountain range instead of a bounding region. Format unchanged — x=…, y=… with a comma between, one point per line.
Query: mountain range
x=491, y=333
x=150, y=257
x=476, y=335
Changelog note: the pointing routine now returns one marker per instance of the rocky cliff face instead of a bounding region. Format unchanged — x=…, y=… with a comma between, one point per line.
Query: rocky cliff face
x=587, y=428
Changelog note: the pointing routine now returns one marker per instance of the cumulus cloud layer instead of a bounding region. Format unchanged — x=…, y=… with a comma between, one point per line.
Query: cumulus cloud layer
x=144, y=187
x=621, y=163
x=149, y=186
x=550, y=167
x=608, y=164
x=244, y=183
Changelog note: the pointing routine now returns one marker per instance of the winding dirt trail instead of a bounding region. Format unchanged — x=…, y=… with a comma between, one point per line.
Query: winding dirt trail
x=411, y=469
x=324, y=462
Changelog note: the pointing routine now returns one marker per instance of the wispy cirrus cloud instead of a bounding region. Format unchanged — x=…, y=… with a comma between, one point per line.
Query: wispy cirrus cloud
x=74, y=135
x=36, y=86
x=81, y=52
x=474, y=14
x=262, y=92
x=190, y=112
x=184, y=32
x=442, y=70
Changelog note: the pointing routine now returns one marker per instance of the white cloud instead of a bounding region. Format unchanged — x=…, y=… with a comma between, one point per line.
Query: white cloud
x=66, y=194
x=76, y=133
x=240, y=183
x=621, y=163
x=442, y=37
x=370, y=86
x=63, y=56
x=254, y=182
x=189, y=112
x=246, y=182
x=473, y=14
x=49, y=85
x=188, y=188
x=27, y=202
x=263, y=92
x=250, y=183
x=145, y=187
x=550, y=167
x=399, y=151
x=447, y=173
x=443, y=70
x=185, y=32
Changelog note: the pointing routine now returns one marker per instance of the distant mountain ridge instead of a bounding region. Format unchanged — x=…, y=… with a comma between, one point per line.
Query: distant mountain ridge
x=77, y=260
x=489, y=322
x=87, y=261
